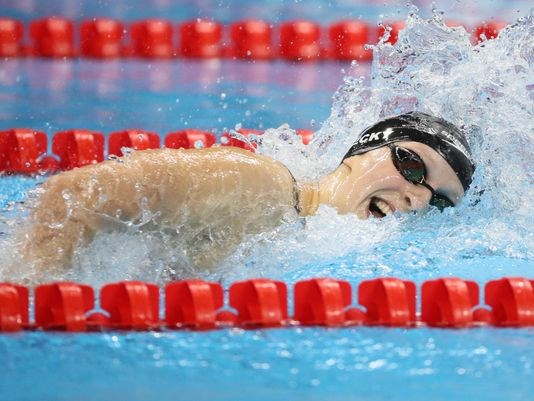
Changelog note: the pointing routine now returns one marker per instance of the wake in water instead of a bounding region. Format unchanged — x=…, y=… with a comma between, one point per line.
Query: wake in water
x=487, y=89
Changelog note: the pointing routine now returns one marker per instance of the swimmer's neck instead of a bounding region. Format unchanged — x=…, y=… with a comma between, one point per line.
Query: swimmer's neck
x=313, y=194
x=308, y=198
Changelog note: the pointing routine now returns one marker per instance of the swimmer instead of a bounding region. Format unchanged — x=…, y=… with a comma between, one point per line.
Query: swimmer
x=212, y=198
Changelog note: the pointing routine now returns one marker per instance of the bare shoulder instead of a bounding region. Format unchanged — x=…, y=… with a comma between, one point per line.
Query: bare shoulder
x=192, y=155
x=214, y=157
x=160, y=164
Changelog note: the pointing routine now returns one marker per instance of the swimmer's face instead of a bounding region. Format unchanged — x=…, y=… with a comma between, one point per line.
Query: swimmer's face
x=372, y=185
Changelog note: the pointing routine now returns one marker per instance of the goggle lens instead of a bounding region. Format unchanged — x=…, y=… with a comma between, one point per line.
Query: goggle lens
x=412, y=168
x=409, y=164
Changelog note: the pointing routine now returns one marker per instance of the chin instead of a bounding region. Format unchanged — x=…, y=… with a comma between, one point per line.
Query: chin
x=362, y=214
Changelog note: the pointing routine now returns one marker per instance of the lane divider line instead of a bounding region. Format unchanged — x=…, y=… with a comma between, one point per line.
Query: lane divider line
x=263, y=303
x=249, y=39
x=24, y=151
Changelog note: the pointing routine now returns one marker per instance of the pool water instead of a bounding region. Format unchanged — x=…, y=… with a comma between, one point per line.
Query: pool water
x=285, y=364
x=165, y=96
x=485, y=238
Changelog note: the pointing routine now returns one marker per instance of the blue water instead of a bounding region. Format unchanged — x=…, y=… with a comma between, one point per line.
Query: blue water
x=286, y=364
x=274, y=10
x=162, y=96
x=295, y=364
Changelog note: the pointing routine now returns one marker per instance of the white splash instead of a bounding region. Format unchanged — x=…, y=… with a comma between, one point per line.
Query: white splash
x=488, y=89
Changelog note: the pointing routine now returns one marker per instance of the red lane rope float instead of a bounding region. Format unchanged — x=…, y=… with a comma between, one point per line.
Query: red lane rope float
x=152, y=38
x=134, y=139
x=11, y=33
x=252, y=39
x=193, y=304
x=349, y=39
x=101, y=38
x=63, y=306
x=77, y=148
x=300, y=40
x=389, y=302
x=14, y=307
x=52, y=37
x=263, y=303
x=448, y=302
x=201, y=39
x=259, y=303
x=132, y=305
x=189, y=139
x=23, y=150
x=20, y=150
x=325, y=302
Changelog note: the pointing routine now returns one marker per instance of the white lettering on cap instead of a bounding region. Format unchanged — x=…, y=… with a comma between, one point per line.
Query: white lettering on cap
x=364, y=138
x=374, y=136
x=387, y=132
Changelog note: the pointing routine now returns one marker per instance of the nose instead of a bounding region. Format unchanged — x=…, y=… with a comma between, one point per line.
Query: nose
x=417, y=197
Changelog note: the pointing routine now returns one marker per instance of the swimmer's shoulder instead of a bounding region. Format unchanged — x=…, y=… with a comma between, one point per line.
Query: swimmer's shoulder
x=224, y=155
x=222, y=162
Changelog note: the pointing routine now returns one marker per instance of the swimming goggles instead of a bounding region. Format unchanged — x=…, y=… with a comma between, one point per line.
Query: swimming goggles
x=413, y=169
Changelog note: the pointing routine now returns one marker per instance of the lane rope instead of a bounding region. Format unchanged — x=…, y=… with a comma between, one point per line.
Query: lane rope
x=263, y=303
x=25, y=151
x=250, y=39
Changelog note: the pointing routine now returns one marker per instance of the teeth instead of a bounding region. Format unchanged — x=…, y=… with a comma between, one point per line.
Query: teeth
x=383, y=206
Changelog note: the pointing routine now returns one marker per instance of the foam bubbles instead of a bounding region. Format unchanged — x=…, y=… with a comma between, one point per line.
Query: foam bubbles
x=488, y=90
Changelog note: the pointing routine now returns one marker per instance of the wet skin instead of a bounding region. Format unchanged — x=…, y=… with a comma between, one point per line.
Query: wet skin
x=212, y=198
x=371, y=176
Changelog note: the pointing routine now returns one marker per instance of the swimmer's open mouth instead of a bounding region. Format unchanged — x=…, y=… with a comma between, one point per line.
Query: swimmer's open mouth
x=379, y=208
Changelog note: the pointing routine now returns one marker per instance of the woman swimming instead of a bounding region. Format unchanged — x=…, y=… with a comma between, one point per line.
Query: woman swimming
x=212, y=198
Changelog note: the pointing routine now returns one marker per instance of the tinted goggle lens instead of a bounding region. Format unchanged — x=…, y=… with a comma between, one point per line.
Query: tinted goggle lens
x=413, y=169
x=409, y=164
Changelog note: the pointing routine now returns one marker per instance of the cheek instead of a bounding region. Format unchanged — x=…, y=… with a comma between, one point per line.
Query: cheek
x=383, y=176
x=348, y=196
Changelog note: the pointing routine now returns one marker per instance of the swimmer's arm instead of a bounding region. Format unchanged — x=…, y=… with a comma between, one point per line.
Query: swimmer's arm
x=180, y=188
x=72, y=207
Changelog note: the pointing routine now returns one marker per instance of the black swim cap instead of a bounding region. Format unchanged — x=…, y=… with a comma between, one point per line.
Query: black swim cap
x=440, y=135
